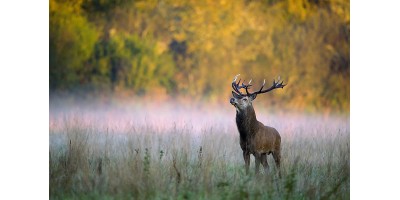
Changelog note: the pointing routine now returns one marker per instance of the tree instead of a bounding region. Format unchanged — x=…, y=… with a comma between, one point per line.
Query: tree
x=72, y=40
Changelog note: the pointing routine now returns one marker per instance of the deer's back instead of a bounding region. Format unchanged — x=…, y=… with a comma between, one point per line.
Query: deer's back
x=266, y=140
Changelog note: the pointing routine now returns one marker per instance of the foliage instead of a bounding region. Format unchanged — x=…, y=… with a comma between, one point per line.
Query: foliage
x=126, y=61
x=72, y=40
x=194, y=48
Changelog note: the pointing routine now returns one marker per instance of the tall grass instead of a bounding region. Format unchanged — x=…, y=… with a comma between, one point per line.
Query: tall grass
x=97, y=160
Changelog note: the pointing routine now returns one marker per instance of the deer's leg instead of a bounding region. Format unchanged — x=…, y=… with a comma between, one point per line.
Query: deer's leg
x=246, y=157
x=258, y=159
x=277, y=158
x=264, y=162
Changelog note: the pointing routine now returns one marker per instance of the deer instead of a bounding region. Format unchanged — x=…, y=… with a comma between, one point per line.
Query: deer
x=255, y=138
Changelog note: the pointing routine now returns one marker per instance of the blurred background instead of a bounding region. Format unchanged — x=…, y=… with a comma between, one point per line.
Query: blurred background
x=189, y=50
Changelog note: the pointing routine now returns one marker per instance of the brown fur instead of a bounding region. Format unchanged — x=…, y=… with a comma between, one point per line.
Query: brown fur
x=255, y=137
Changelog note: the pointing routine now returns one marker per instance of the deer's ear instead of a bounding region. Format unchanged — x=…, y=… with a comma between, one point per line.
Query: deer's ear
x=253, y=96
x=236, y=96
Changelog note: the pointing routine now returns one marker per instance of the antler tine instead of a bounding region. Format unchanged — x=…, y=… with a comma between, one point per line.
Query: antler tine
x=262, y=85
x=243, y=85
x=235, y=78
x=282, y=85
x=236, y=87
x=275, y=85
x=247, y=87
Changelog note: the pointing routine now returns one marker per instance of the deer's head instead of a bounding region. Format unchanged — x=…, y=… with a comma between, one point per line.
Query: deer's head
x=243, y=101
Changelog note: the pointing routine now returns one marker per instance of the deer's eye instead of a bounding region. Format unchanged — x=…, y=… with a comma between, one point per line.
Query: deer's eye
x=244, y=99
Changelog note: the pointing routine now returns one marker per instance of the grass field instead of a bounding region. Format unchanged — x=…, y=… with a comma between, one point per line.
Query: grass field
x=136, y=153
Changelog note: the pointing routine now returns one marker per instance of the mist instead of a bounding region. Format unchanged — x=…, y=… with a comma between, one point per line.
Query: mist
x=118, y=115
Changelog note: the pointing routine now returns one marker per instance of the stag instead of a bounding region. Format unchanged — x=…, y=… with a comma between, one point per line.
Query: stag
x=255, y=137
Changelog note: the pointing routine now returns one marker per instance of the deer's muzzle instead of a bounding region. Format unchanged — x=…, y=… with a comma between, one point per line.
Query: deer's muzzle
x=232, y=101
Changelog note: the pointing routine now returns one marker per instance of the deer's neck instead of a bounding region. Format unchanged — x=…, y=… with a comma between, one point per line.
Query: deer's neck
x=246, y=122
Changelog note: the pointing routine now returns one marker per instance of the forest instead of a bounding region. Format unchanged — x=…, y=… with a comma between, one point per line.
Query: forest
x=191, y=50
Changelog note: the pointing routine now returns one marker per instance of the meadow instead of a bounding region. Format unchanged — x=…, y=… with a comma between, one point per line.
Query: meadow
x=169, y=151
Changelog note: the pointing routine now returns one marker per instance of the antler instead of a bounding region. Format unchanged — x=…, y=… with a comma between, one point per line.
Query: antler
x=236, y=86
x=275, y=85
